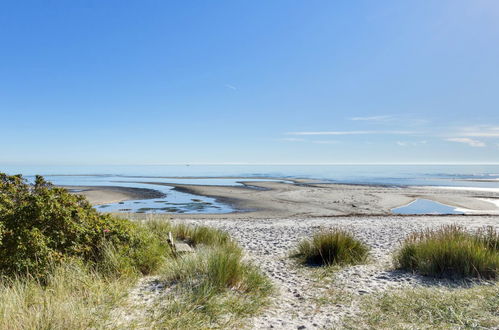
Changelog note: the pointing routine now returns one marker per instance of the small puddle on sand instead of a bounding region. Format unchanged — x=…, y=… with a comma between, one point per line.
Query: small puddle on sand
x=426, y=206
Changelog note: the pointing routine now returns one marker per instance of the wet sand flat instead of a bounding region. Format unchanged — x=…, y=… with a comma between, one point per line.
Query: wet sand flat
x=284, y=200
x=98, y=195
x=260, y=200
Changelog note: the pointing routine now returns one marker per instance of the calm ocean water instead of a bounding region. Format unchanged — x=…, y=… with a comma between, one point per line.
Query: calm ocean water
x=177, y=202
x=368, y=174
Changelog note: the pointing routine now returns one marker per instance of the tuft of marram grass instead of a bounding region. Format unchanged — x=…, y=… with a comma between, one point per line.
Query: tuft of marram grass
x=212, y=288
x=450, y=251
x=333, y=247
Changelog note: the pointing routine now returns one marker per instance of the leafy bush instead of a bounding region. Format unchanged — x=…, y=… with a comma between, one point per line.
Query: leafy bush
x=42, y=225
x=333, y=247
x=450, y=251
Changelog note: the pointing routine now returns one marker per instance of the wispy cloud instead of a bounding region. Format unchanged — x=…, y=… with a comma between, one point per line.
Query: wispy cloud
x=352, y=133
x=373, y=118
x=403, y=120
x=234, y=88
x=480, y=131
x=411, y=143
x=468, y=141
x=292, y=140
x=326, y=142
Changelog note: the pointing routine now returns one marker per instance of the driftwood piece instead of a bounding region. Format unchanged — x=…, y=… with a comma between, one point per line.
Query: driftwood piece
x=178, y=248
x=183, y=248
x=171, y=243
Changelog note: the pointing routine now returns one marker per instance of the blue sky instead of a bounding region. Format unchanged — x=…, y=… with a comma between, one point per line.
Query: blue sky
x=282, y=81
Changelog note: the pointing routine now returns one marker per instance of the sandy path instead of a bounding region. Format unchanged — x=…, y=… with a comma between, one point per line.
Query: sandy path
x=296, y=302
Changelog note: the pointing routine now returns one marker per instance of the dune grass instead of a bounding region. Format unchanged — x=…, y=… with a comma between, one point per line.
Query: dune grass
x=213, y=287
x=332, y=247
x=193, y=235
x=429, y=308
x=451, y=251
x=72, y=297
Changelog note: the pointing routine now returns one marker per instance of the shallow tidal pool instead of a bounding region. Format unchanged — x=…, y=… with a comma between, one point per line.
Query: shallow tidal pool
x=426, y=206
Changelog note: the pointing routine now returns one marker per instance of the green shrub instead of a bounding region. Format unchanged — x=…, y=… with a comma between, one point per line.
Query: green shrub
x=333, y=247
x=450, y=251
x=42, y=225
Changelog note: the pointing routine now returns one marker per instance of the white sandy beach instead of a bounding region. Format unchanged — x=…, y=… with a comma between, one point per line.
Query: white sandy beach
x=298, y=302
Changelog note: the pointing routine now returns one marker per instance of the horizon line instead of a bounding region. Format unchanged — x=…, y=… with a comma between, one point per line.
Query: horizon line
x=259, y=164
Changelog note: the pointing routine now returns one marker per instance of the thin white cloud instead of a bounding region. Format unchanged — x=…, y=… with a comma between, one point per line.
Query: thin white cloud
x=326, y=142
x=292, y=140
x=411, y=143
x=231, y=87
x=482, y=134
x=352, y=133
x=403, y=120
x=373, y=118
x=480, y=131
x=468, y=141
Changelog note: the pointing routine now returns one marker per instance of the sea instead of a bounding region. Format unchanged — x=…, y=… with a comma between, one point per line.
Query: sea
x=480, y=177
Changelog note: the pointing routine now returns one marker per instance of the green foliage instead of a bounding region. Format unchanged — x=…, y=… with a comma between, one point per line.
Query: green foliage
x=42, y=225
x=333, y=247
x=212, y=287
x=450, y=251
